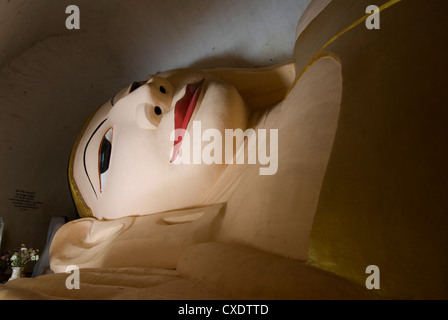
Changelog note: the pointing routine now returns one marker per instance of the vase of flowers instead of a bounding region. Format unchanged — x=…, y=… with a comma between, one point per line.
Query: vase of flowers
x=20, y=258
x=17, y=272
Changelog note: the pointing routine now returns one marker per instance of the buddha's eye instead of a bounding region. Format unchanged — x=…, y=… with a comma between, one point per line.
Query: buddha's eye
x=158, y=111
x=104, y=157
x=162, y=89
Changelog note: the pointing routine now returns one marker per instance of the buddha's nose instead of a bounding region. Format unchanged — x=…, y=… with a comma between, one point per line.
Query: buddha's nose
x=157, y=91
x=145, y=103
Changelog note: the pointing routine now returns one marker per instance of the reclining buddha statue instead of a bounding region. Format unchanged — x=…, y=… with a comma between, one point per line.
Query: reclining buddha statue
x=282, y=182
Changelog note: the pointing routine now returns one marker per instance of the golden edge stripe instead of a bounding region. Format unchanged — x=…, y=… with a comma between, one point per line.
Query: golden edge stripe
x=84, y=211
x=353, y=25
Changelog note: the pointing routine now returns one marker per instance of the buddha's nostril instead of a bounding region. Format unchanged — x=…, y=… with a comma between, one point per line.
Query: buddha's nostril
x=158, y=111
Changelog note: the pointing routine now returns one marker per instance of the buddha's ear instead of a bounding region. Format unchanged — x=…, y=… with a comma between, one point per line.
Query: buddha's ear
x=260, y=87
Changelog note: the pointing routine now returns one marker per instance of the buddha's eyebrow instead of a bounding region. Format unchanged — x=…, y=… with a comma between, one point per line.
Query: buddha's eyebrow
x=84, y=158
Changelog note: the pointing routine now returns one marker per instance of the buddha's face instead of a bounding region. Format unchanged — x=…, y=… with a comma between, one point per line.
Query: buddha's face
x=127, y=160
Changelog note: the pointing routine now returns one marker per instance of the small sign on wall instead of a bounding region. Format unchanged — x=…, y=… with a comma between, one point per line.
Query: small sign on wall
x=25, y=200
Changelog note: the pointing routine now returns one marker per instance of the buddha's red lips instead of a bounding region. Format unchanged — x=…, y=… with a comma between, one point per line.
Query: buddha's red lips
x=182, y=114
